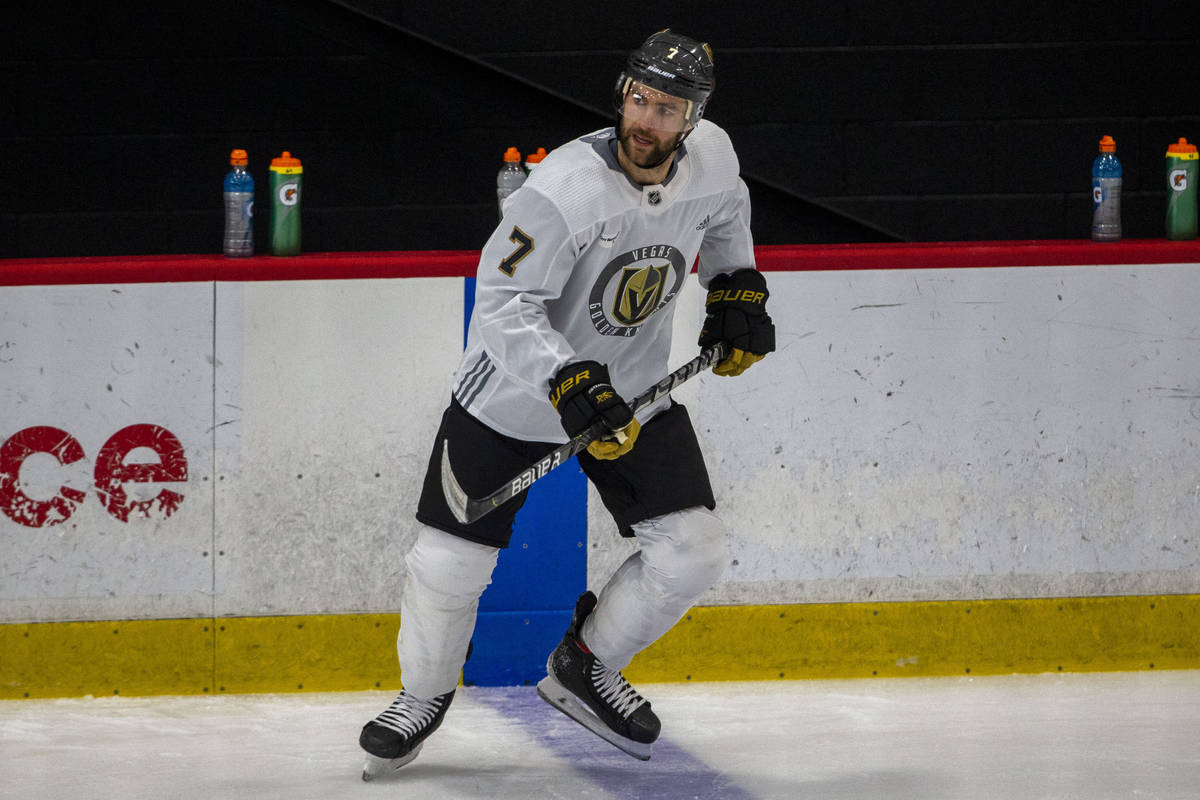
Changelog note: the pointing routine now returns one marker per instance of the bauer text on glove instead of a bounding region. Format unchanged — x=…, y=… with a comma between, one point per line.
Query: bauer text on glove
x=736, y=312
x=583, y=396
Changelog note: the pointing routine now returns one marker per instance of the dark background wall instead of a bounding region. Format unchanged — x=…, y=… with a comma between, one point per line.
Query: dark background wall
x=855, y=121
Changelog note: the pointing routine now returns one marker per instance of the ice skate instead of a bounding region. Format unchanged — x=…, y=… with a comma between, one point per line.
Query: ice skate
x=394, y=738
x=598, y=698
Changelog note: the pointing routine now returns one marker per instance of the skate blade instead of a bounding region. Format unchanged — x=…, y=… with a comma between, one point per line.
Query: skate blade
x=556, y=695
x=376, y=767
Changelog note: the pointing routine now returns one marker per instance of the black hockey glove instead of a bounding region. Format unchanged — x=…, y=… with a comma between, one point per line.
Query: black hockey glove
x=736, y=312
x=583, y=396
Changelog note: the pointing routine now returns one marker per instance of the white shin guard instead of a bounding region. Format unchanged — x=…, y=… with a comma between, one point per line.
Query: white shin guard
x=681, y=555
x=446, y=576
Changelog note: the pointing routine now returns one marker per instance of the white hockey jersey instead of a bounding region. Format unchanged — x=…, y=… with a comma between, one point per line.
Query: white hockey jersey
x=585, y=265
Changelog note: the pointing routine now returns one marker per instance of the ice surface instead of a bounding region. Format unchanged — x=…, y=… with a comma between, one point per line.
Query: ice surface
x=1097, y=736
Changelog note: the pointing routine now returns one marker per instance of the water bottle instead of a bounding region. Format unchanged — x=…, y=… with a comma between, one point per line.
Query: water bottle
x=239, y=206
x=1106, y=193
x=533, y=159
x=510, y=177
x=1182, y=163
x=286, y=175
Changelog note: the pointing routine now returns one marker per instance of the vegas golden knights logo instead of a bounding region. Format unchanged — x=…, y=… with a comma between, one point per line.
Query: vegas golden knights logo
x=639, y=293
x=634, y=286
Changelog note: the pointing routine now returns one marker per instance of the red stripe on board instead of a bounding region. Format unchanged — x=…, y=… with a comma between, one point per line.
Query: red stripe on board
x=175, y=269
x=458, y=263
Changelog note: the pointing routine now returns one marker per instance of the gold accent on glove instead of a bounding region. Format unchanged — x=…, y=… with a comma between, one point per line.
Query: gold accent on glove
x=617, y=445
x=738, y=362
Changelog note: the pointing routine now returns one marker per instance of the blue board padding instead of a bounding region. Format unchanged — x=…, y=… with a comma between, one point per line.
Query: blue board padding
x=511, y=647
x=468, y=306
x=526, y=610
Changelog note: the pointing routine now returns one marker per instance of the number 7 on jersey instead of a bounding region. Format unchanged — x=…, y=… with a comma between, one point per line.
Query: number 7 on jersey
x=524, y=243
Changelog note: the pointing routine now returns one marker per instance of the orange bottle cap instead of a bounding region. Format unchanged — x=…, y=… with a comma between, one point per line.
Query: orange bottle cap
x=238, y=158
x=285, y=160
x=286, y=164
x=512, y=154
x=536, y=158
x=1180, y=148
x=1108, y=145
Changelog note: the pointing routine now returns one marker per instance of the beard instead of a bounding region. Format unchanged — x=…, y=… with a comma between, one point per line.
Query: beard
x=646, y=159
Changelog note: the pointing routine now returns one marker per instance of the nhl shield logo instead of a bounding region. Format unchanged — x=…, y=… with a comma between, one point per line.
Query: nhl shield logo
x=639, y=293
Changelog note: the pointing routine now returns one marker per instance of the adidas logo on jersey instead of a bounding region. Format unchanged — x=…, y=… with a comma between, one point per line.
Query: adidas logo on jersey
x=704, y=224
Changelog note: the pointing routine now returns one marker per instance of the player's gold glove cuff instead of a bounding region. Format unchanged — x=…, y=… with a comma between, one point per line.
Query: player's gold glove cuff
x=737, y=363
x=620, y=443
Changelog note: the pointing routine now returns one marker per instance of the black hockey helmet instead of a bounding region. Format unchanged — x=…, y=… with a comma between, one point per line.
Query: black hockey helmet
x=673, y=64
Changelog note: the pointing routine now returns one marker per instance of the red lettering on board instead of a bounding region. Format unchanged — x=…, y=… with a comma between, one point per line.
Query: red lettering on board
x=111, y=474
x=21, y=508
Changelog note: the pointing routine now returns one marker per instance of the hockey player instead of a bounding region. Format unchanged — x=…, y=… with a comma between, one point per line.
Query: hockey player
x=573, y=307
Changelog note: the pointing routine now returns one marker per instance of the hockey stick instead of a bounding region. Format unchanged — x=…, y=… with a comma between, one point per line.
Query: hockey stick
x=468, y=509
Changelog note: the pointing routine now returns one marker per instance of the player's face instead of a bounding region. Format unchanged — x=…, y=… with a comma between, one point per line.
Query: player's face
x=651, y=122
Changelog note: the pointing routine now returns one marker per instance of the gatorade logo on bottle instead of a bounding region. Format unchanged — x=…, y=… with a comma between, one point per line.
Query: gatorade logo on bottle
x=1177, y=178
x=289, y=194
